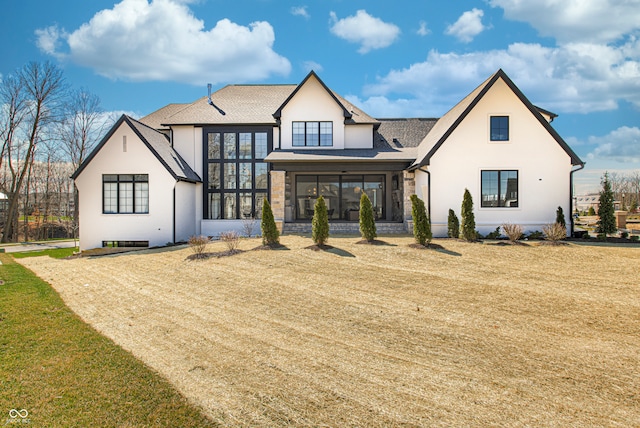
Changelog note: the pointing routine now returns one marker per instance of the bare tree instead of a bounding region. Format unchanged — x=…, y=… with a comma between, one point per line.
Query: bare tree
x=36, y=91
x=83, y=125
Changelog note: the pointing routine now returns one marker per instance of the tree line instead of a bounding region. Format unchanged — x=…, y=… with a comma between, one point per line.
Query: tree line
x=626, y=189
x=47, y=129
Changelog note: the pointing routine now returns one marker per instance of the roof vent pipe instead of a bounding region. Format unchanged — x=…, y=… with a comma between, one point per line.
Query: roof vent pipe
x=211, y=102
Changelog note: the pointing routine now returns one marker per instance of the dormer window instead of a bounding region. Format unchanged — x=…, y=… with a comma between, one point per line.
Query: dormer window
x=499, y=128
x=312, y=134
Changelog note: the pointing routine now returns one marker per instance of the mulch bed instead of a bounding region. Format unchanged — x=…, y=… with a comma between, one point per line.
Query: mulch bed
x=322, y=247
x=431, y=246
x=216, y=255
x=373, y=242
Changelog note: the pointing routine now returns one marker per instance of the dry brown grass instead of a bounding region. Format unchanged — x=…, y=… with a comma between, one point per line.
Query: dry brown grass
x=368, y=335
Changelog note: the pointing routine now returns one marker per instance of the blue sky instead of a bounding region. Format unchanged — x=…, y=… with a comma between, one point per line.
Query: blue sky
x=417, y=58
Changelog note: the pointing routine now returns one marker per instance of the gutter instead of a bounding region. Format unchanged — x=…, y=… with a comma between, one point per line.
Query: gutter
x=571, y=196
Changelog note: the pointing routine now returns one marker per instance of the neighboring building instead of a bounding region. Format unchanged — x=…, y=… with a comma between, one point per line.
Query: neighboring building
x=205, y=167
x=589, y=200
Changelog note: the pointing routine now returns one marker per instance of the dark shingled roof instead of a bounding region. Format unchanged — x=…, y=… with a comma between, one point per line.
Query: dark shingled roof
x=402, y=132
x=158, y=144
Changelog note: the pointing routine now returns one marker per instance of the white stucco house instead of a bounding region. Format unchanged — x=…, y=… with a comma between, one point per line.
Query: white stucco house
x=205, y=167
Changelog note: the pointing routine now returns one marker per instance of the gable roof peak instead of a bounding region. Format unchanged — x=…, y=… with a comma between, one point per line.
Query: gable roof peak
x=450, y=121
x=278, y=113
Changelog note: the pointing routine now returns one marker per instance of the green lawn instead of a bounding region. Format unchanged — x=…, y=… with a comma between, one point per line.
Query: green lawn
x=64, y=373
x=57, y=253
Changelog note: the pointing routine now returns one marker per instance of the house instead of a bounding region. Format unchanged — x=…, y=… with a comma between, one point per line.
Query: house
x=205, y=167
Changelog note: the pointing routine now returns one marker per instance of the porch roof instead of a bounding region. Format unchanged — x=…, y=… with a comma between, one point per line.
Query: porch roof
x=407, y=154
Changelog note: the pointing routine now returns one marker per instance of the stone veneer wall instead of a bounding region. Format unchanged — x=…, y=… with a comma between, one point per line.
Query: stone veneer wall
x=278, y=197
x=409, y=188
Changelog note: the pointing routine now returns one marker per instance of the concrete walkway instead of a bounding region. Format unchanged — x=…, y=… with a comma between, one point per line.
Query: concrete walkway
x=37, y=246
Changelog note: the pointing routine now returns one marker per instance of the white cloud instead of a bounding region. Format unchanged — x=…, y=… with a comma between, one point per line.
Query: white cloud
x=370, y=32
x=164, y=41
x=598, y=21
x=423, y=30
x=300, y=11
x=312, y=65
x=467, y=26
x=48, y=39
x=576, y=78
x=622, y=145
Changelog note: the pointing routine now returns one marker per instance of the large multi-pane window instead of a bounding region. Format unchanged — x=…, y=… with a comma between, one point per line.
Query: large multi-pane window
x=499, y=188
x=499, y=128
x=341, y=193
x=125, y=193
x=312, y=134
x=237, y=178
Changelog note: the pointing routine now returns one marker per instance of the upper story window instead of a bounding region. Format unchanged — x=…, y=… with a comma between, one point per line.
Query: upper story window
x=312, y=134
x=499, y=128
x=499, y=188
x=125, y=194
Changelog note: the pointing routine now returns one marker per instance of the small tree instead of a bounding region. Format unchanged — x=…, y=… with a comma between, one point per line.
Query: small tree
x=591, y=211
x=270, y=233
x=560, y=217
x=421, y=223
x=367, y=222
x=198, y=244
x=231, y=239
x=453, y=225
x=468, y=228
x=320, y=223
x=606, y=213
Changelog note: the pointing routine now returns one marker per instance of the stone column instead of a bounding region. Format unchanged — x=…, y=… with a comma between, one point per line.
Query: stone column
x=278, y=197
x=621, y=219
x=409, y=188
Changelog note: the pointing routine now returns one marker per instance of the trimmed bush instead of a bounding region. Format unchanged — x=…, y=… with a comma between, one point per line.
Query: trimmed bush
x=512, y=231
x=421, y=224
x=536, y=234
x=554, y=232
x=468, y=227
x=453, y=225
x=320, y=222
x=270, y=233
x=560, y=217
x=493, y=235
x=591, y=211
x=367, y=222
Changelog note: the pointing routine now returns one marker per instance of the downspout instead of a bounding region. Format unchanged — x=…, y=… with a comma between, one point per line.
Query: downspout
x=428, y=191
x=174, y=213
x=571, y=196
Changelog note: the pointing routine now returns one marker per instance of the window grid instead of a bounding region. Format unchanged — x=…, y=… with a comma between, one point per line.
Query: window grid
x=237, y=182
x=125, y=194
x=312, y=134
x=499, y=189
x=499, y=128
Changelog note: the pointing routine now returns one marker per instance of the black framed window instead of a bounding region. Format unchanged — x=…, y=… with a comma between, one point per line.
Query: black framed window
x=237, y=178
x=499, y=128
x=341, y=194
x=125, y=194
x=499, y=188
x=312, y=134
